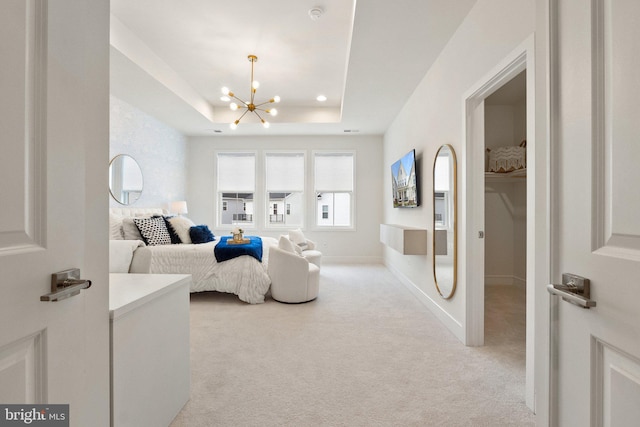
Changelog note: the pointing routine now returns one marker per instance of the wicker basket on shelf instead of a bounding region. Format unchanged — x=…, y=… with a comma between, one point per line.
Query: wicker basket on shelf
x=508, y=159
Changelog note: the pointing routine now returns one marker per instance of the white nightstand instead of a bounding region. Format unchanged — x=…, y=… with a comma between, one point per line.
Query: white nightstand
x=150, y=369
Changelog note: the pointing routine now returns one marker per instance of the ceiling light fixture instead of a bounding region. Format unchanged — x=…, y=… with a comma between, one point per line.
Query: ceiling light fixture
x=315, y=13
x=321, y=98
x=249, y=106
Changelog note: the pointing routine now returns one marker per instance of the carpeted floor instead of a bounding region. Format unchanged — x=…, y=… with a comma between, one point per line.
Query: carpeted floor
x=366, y=352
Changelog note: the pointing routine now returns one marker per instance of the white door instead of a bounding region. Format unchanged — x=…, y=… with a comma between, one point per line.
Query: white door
x=595, y=361
x=53, y=215
x=474, y=335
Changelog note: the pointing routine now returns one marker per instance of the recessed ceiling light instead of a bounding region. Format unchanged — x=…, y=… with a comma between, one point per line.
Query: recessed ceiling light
x=321, y=98
x=351, y=130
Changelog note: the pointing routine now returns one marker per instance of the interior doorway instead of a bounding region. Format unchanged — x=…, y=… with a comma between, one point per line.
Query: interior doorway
x=520, y=206
x=505, y=242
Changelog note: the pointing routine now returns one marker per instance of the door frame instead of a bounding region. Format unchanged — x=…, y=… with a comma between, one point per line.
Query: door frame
x=520, y=59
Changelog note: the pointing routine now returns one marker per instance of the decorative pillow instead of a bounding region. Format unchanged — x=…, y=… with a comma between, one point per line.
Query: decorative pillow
x=115, y=227
x=181, y=226
x=201, y=234
x=175, y=239
x=153, y=230
x=297, y=237
x=287, y=245
x=130, y=230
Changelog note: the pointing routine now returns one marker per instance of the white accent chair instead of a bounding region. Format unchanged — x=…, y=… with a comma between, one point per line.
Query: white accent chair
x=293, y=278
x=306, y=247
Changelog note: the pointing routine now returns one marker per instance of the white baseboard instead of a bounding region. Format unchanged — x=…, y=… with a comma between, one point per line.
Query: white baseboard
x=452, y=324
x=519, y=281
x=351, y=260
x=504, y=280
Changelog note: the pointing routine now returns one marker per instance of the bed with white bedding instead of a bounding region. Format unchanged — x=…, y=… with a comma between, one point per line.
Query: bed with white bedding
x=244, y=276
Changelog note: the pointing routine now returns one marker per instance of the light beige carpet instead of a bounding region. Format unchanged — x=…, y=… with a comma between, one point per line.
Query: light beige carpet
x=366, y=352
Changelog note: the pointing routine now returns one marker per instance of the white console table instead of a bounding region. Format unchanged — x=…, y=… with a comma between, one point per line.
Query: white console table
x=150, y=369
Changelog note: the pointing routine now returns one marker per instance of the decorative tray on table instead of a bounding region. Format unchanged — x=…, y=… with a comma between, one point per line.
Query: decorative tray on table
x=242, y=241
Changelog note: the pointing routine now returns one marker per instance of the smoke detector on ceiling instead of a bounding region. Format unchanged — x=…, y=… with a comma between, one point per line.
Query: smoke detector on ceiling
x=315, y=13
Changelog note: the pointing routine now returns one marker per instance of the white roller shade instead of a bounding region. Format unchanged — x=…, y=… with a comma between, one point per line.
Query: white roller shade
x=236, y=172
x=441, y=175
x=334, y=172
x=285, y=172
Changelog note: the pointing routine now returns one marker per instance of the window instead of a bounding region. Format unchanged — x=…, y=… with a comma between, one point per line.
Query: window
x=334, y=189
x=236, y=187
x=284, y=182
x=440, y=202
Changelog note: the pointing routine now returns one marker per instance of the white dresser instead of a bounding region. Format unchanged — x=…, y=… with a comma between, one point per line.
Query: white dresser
x=150, y=373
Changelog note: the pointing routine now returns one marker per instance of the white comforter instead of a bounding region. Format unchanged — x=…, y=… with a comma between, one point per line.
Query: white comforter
x=244, y=276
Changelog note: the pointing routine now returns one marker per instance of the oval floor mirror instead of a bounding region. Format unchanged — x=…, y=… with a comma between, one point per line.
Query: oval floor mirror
x=445, y=252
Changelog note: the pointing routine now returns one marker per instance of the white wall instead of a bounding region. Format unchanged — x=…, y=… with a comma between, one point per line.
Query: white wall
x=362, y=244
x=505, y=233
x=505, y=202
x=159, y=149
x=520, y=122
x=499, y=125
x=519, y=199
x=434, y=116
x=499, y=234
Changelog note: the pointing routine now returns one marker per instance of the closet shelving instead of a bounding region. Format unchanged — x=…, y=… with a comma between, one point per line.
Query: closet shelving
x=514, y=176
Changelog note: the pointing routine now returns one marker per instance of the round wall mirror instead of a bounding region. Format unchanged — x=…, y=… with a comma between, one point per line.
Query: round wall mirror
x=444, y=221
x=125, y=179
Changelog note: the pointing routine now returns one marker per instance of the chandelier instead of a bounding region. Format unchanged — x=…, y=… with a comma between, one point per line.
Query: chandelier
x=249, y=106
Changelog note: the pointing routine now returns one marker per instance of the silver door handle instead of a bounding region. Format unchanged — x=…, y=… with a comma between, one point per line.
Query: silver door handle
x=574, y=289
x=65, y=284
